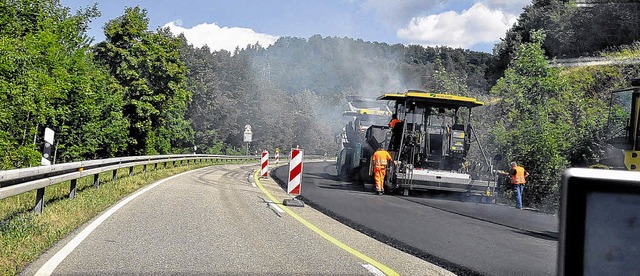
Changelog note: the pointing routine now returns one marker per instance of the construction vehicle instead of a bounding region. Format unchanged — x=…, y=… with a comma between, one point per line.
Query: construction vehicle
x=362, y=113
x=622, y=150
x=431, y=144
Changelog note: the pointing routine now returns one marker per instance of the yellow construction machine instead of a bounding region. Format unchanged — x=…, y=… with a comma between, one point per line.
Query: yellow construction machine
x=623, y=127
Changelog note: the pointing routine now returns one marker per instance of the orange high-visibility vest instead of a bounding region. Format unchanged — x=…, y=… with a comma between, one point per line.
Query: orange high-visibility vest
x=519, y=177
x=393, y=123
x=380, y=158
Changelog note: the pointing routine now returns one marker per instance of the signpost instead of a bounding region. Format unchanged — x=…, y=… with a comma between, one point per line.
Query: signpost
x=247, y=137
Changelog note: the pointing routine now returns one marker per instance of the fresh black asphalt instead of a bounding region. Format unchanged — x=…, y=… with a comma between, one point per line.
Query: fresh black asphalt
x=467, y=238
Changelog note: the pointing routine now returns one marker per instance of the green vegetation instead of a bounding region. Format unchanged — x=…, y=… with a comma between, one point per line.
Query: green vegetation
x=572, y=31
x=549, y=119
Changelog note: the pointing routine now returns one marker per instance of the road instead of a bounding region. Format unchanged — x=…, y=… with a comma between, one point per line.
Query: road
x=464, y=237
x=218, y=220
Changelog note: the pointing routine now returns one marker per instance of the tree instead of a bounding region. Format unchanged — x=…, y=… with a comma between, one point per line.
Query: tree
x=147, y=66
x=544, y=118
x=532, y=129
x=48, y=79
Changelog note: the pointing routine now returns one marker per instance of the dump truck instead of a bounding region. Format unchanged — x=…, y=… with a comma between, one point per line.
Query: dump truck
x=362, y=113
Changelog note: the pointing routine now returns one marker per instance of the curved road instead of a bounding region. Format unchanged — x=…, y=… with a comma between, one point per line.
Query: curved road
x=217, y=220
x=464, y=237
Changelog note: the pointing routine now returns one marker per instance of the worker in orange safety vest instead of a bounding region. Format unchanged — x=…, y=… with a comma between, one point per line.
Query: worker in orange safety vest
x=394, y=121
x=518, y=179
x=380, y=159
x=396, y=129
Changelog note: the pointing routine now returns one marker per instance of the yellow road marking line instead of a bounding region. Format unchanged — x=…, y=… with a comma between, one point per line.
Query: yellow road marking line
x=385, y=269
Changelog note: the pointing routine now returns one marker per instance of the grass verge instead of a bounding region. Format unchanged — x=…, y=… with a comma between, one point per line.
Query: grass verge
x=25, y=235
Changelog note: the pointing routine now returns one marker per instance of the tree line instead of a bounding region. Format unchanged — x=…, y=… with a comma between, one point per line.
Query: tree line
x=145, y=92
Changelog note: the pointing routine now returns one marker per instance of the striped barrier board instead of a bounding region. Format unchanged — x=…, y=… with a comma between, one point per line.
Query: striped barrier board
x=295, y=172
x=265, y=164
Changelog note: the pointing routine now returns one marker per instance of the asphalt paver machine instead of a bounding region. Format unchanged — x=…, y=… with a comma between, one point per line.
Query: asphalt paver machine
x=431, y=144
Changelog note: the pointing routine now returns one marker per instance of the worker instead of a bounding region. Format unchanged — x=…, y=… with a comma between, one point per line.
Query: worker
x=396, y=129
x=394, y=121
x=380, y=159
x=518, y=179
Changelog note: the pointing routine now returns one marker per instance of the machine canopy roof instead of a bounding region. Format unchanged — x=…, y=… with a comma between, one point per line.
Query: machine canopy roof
x=424, y=98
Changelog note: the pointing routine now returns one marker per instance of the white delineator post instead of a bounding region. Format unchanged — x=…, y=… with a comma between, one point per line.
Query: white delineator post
x=44, y=161
x=295, y=172
x=265, y=164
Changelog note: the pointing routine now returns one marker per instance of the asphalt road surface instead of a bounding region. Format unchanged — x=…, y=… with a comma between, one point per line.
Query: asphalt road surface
x=218, y=221
x=462, y=236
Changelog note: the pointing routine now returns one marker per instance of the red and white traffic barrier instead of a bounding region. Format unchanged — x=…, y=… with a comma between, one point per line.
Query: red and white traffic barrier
x=295, y=172
x=265, y=164
x=277, y=157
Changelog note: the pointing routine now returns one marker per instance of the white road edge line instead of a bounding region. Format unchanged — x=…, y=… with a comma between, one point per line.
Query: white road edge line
x=48, y=268
x=275, y=206
x=373, y=270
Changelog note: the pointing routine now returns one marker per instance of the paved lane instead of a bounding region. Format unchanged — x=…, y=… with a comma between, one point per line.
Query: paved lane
x=215, y=221
x=464, y=237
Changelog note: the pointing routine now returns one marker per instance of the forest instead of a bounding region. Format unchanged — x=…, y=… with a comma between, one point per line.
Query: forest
x=146, y=92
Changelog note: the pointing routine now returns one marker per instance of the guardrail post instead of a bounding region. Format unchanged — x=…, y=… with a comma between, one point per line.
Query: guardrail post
x=131, y=171
x=174, y=164
x=96, y=180
x=155, y=166
x=115, y=175
x=144, y=168
x=39, y=201
x=73, y=189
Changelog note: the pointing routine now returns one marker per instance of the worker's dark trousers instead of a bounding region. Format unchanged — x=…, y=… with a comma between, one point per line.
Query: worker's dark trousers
x=518, y=188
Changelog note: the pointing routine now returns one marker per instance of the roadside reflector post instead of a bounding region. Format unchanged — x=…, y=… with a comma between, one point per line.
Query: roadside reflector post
x=295, y=178
x=277, y=157
x=44, y=161
x=264, y=173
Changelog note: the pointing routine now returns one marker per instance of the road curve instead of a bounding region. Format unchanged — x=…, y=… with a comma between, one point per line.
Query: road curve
x=464, y=237
x=216, y=221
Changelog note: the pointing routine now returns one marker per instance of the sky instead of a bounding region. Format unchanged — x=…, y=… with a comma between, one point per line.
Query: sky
x=227, y=24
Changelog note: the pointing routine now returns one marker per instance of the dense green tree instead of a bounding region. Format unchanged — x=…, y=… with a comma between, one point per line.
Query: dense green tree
x=546, y=121
x=47, y=79
x=147, y=66
x=572, y=31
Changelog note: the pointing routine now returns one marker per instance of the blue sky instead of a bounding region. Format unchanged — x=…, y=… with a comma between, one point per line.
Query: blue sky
x=226, y=24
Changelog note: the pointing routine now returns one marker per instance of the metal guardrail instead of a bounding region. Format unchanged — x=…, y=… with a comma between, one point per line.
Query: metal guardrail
x=593, y=61
x=18, y=181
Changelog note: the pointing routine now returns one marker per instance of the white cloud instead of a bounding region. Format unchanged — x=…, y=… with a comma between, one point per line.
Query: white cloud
x=510, y=6
x=476, y=25
x=220, y=38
